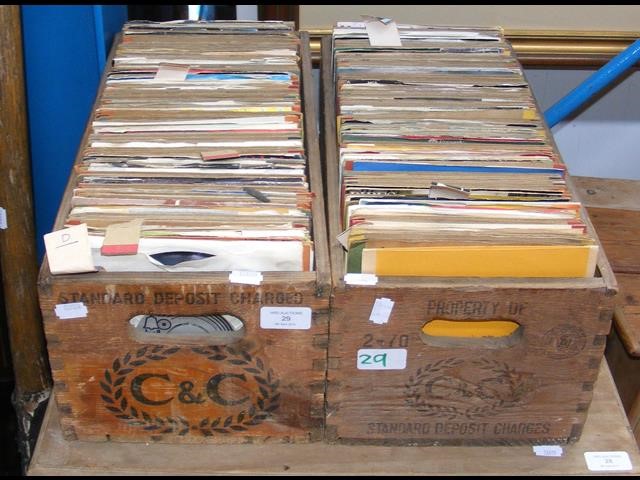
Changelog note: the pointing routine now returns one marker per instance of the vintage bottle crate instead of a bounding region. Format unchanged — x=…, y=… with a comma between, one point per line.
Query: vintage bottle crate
x=113, y=383
x=533, y=387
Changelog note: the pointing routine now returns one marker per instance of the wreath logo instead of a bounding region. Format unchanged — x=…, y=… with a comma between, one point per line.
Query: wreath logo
x=564, y=341
x=117, y=402
x=442, y=388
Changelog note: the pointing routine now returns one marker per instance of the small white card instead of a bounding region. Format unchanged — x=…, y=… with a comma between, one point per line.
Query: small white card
x=285, y=318
x=245, y=277
x=3, y=219
x=343, y=238
x=382, y=359
x=381, y=311
x=360, y=279
x=65, y=311
x=171, y=73
x=69, y=251
x=547, y=450
x=382, y=32
x=608, y=461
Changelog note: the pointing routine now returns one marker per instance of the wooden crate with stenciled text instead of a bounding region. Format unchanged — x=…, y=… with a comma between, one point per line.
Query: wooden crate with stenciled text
x=390, y=383
x=117, y=379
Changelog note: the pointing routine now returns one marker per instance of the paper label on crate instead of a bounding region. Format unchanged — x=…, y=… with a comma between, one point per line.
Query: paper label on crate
x=245, y=277
x=343, y=238
x=3, y=219
x=381, y=311
x=65, y=311
x=121, y=238
x=608, y=461
x=69, y=251
x=171, y=73
x=382, y=32
x=285, y=318
x=360, y=279
x=547, y=450
x=382, y=359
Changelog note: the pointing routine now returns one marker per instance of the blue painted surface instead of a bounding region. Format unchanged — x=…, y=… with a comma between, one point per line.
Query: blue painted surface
x=113, y=17
x=592, y=85
x=64, y=53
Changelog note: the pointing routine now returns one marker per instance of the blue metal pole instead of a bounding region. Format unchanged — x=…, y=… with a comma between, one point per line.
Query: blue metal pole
x=207, y=12
x=592, y=85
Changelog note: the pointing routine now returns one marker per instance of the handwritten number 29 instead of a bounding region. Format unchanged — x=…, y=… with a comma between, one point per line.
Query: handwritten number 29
x=378, y=359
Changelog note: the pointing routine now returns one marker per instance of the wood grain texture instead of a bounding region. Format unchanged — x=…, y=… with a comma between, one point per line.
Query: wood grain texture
x=605, y=429
x=312, y=148
x=614, y=208
x=627, y=313
x=634, y=418
x=17, y=245
x=625, y=369
x=608, y=193
x=280, y=12
x=618, y=232
x=269, y=386
x=537, y=390
x=331, y=158
x=111, y=385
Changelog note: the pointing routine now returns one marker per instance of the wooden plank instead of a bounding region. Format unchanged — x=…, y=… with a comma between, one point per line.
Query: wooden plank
x=619, y=233
x=625, y=370
x=312, y=144
x=627, y=313
x=17, y=245
x=634, y=417
x=608, y=192
x=18, y=256
x=331, y=159
x=614, y=208
x=606, y=429
x=280, y=12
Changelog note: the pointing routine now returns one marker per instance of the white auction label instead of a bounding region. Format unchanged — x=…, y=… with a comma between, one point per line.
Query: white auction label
x=382, y=359
x=171, y=73
x=547, y=450
x=3, y=219
x=245, y=277
x=360, y=279
x=285, y=318
x=382, y=32
x=65, y=311
x=608, y=461
x=381, y=311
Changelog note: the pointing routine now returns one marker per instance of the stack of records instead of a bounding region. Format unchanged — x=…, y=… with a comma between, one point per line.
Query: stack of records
x=446, y=165
x=197, y=145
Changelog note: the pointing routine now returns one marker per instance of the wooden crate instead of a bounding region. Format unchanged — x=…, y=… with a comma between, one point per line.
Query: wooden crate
x=535, y=387
x=111, y=385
